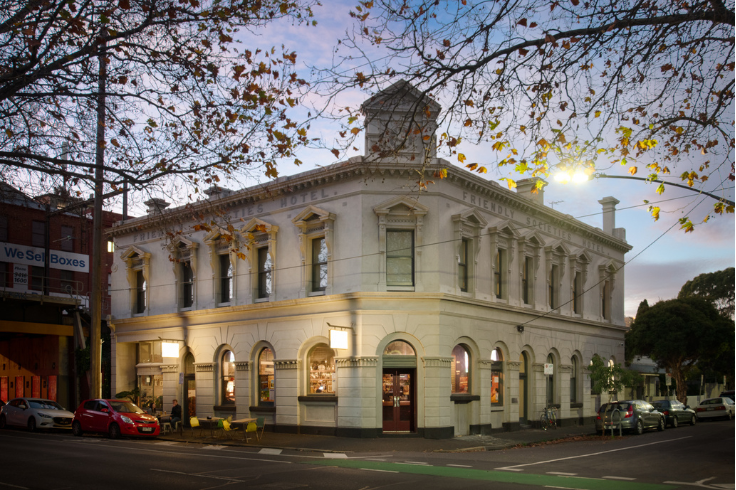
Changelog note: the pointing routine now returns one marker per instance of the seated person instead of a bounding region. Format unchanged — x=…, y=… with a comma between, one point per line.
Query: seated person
x=175, y=413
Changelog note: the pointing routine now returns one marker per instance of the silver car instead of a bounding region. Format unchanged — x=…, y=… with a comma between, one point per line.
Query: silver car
x=715, y=408
x=35, y=413
x=633, y=415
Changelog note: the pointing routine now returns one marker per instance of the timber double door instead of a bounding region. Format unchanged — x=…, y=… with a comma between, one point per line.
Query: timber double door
x=399, y=400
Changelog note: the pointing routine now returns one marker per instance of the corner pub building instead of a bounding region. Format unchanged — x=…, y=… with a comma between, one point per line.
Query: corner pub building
x=347, y=305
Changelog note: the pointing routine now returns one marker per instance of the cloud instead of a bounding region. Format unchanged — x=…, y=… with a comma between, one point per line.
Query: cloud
x=662, y=281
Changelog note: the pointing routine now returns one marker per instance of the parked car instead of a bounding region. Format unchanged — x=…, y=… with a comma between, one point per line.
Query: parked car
x=115, y=418
x=675, y=413
x=633, y=415
x=714, y=408
x=35, y=413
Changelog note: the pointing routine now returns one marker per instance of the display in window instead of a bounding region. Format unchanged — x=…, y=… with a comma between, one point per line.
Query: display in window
x=266, y=382
x=322, y=371
x=497, y=387
x=460, y=369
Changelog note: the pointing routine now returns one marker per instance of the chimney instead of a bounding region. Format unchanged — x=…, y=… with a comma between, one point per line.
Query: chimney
x=216, y=192
x=156, y=205
x=524, y=189
x=609, y=213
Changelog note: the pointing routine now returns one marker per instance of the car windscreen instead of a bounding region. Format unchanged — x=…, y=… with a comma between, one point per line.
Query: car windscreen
x=661, y=405
x=45, y=404
x=125, y=407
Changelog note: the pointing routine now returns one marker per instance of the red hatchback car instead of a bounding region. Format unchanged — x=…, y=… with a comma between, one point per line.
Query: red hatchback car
x=115, y=418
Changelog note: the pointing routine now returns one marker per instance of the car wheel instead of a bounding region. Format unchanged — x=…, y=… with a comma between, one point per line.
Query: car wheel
x=693, y=420
x=3, y=422
x=728, y=415
x=674, y=422
x=114, y=431
x=661, y=425
x=77, y=429
x=31, y=423
x=639, y=430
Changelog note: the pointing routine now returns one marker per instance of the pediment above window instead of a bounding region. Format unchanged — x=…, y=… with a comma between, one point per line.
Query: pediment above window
x=401, y=206
x=313, y=217
x=134, y=252
x=472, y=218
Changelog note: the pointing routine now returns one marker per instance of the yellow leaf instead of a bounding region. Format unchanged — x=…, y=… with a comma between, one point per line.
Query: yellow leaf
x=542, y=142
x=633, y=170
x=597, y=113
x=461, y=157
x=355, y=130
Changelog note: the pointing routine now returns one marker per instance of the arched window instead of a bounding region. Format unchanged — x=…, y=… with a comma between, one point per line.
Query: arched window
x=574, y=379
x=266, y=382
x=322, y=370
x=550, y=382
x=497, y=377
x=399, y=348
x=228, y=378
x=460, y=375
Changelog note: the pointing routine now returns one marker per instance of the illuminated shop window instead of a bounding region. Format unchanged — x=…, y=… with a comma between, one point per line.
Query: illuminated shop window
x=460, y=375
x=322, y=371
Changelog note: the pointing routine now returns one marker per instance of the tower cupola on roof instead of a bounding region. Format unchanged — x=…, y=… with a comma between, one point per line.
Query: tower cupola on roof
x=400, y=124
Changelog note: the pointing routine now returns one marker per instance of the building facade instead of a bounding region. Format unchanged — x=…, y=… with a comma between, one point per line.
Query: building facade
x=337, y=301
x=44, y=301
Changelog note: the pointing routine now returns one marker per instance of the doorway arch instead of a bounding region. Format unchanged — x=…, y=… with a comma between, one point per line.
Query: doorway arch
x=398, y=387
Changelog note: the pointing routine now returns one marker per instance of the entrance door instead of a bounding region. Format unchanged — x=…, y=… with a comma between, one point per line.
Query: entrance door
x=523, y=416
x=398, y=400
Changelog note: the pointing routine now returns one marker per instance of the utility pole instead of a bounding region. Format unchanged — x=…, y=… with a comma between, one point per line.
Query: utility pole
x=95, y=349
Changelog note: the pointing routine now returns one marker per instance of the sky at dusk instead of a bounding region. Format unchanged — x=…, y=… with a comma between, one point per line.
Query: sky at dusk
x=663, y=257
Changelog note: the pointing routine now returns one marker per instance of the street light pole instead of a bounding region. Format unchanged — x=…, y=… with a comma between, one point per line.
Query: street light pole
x=95, y=349
x=604, y=176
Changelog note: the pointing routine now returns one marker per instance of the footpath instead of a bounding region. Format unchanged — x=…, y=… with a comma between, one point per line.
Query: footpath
x=331, y=444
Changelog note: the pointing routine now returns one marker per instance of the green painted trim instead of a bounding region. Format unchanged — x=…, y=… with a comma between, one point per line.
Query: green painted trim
x=399, y=361
x=497, y=476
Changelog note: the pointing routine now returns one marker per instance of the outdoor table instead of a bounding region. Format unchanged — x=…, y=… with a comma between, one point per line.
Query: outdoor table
x=210, y=423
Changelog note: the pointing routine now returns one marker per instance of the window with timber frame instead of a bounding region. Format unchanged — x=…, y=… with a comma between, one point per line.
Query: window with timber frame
x=260, y=243
x=316, y=242
x=467, y=244
x=400, y=239
x=137, y=264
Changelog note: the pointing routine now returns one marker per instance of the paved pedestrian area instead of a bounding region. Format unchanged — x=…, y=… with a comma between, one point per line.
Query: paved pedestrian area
x=331, y=444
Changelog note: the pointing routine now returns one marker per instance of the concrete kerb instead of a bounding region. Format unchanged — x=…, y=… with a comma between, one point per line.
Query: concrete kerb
x=235, y=443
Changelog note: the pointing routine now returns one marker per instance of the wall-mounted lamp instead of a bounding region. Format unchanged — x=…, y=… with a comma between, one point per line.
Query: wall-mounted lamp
x=338, y=336
x=520, y=328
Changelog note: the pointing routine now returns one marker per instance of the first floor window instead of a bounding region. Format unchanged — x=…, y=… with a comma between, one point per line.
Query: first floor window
x=228, y=378
x=187, y=284
x=526, y=280
x=266, y=381
x=67, y=237
x=264, y=273
x=37, y=278
x=140, y=296
x=38, y=237
x=462, y=266
x=460, y=375
x=498, y=276
x=319, y=264
x=576, y=292
x=553, y=288
x=399, y=258
x=604, y=301
x=226, y=278
x=322, y=371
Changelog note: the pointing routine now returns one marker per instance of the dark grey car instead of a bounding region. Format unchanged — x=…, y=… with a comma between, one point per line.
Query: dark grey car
x=675, y=412
x=633, y=415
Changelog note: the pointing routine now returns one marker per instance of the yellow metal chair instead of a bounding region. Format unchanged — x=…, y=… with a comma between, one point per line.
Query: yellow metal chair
x=194, y=424
x=251, y=427
x=227, y=428
x=261, y=426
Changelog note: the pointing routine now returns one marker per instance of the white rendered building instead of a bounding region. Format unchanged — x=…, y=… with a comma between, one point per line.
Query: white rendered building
x=451, y=301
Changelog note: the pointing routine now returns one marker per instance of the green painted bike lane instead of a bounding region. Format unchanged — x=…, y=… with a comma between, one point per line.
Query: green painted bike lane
x=558, y=481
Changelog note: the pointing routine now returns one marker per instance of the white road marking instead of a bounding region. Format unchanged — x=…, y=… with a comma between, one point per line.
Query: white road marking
x=412, y=463
x=201, y=476
x=618, y=478
x=701, y=483
x=12, y=486
x=566, y=488
x=460, y=465
x=560, y=473
x=592, y=454
x=215, y=447
x=270, y=450
x=382, y=471
x=336, y=455
x=508, y=469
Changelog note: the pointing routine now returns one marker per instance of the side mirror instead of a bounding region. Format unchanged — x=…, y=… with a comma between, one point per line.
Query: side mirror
x=103, y=410
x=22, y=407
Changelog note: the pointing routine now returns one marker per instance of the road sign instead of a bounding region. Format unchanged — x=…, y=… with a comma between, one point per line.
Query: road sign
x=548, y=369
